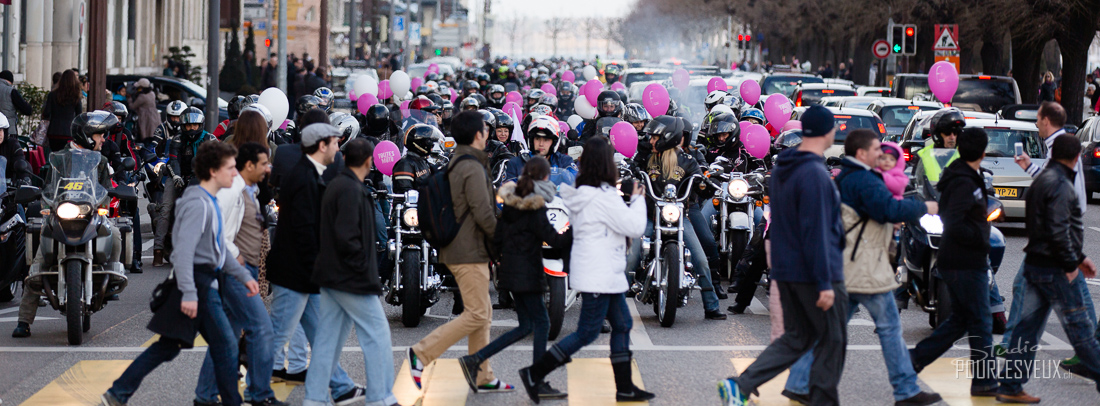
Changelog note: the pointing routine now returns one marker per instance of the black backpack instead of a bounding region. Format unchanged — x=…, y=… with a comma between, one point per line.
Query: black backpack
x=437, y=210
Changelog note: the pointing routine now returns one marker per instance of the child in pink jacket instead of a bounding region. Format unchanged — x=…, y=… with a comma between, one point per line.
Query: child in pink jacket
x=892, y=167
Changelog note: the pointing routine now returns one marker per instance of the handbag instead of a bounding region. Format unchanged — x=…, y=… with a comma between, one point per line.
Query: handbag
x=38, y=137
x=163, y=292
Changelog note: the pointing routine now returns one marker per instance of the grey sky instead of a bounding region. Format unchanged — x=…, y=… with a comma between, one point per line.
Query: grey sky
x=558, y=8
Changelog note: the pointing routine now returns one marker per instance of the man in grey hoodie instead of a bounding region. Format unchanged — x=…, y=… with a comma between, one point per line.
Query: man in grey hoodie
x=200, y=259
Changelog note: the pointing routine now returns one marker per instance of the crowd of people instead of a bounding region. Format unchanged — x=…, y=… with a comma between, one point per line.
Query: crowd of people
x=321, y=258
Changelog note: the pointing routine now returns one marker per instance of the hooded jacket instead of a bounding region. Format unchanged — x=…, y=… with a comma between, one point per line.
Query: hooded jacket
x=195, y=238
x=965, y=242
x=806, y=225
x=601, y=223
x=521, y=230
x=895, y=178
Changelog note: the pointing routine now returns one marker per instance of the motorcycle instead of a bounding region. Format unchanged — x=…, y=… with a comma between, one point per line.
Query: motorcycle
x=559, y=297
x=415, y=284
x=668, y=280
x=738, y=197
x=13, y=265
x=75, y=274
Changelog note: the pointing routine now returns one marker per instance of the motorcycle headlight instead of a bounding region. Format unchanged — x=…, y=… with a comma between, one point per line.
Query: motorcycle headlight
x=931, y=224
x=738, y=188
x=410, y=218
x=69, y=211
x=670, y=213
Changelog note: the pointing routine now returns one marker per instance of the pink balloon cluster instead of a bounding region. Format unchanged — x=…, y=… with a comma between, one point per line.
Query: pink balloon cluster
x=757, y=141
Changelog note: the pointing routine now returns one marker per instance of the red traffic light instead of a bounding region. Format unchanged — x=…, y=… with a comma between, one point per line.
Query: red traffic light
x=740, y=37
x=748, y=38
x=267, y=42
x=909, y=31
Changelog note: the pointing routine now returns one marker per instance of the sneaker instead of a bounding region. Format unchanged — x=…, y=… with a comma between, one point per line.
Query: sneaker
x=529, y=384
x=803, y=399
x=715, y=315
x=354, y=395
x=731, y=394
x=197, y=402
x=636, y=395
x=920, y=399
x=269, y=402
x=1021, y=397
x=280, y=375
x=22, y=330
x=548, y=392
x=470, y=367
x=107, y=399
x=496, y=386
x=416, y=368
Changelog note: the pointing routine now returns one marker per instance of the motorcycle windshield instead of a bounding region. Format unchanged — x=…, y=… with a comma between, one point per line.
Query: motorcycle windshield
x=74, y=178
x=419, y=117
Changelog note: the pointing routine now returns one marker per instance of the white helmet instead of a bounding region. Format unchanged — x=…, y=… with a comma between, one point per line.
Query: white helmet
x=721, y=108
x=3, y=121
x=264, y=112
x=714, y=98
x=348, y=126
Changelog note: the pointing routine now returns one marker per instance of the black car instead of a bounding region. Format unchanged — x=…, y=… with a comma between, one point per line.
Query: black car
x=1089, y=134
x=168, y=89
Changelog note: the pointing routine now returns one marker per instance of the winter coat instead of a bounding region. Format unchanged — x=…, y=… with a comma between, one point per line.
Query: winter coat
x=895, y=178
x=348, y=257
x=806, y=226
x=521, y=230
x=294, y=251
x=472, y=195
x=145, y=106
x=601, y=224
x=1055, y=232
x=965, y=242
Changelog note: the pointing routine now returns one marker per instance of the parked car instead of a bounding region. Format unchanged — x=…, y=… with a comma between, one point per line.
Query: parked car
x=1089, y=134
x=785, y=83
x=169, y=89
x=634, y=75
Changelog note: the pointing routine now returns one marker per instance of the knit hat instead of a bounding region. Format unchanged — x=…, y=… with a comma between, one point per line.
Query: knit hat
x=817, y=121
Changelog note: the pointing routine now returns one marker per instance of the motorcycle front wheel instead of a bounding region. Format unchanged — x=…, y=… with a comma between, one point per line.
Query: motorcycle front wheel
x=556, y=305
x=668, y=290
x=410, y=296
x=74, y=301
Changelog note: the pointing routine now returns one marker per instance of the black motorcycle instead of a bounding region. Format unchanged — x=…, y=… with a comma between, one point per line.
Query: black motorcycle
x=668, y=280
x=13, y=262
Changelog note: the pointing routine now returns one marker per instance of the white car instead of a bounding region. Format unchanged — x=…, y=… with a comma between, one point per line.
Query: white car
x=873, y=91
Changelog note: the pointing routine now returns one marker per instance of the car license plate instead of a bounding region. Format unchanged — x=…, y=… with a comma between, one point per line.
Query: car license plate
x=1008, y=192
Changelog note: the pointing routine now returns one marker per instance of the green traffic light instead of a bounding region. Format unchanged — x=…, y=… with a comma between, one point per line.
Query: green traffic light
x=897, y=48
x=438, y=52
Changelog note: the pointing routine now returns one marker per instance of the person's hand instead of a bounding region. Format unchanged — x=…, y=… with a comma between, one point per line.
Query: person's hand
x=825, y=299
x=1072, y=275
x=1088, y=267
x=253, y=288
x=191, y=309
x=178, y=181
x=240, y=259
x=638, y=189
x=1024, y=161
x=933, y=207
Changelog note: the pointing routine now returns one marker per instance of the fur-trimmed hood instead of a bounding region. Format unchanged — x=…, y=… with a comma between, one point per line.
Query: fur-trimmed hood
x=532, y=201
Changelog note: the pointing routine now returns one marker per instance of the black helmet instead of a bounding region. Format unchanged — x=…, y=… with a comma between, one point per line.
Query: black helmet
x=493, y=91
x=470, y=87
x=421, y=138
x=348, y=126
x=670, y=130
x=604, y=124
x=722, y=123
x=307, y=103
x=489, y=118
x=787, y=139
x=192, y=116
x=423, y=90
x=609, y=104
x=689, y=133
x=117, y=108
x=949, y=120
x=565, y=91
x=549, y=100
x=533, y=97
x=378, y=120
x=436, y=100
x=327, y=97
x=469, y=103
x=87, y=124
x=635, y=112
x=503, y=119
x=237, y=105
x=482, y=76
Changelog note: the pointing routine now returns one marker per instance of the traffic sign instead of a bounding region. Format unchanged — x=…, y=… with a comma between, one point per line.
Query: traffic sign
x=953, y=59
x=881, y=49
x=399, y=24
x=947, y=37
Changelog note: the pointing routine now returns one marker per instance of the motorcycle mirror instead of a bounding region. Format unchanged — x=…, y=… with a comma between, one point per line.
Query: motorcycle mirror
x=27, y=194
x=833, y=161
x=128, y=162
x=124, y=192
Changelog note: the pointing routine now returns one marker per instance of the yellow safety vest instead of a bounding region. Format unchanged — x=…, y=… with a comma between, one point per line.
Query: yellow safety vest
x=932, y=169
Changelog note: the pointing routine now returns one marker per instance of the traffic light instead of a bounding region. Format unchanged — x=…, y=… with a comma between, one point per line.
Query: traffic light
x=897, y=39
x=267, y=42
x=909, y=46
x=438, y=52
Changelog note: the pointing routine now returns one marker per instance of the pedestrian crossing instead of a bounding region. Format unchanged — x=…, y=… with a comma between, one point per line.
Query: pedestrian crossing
x=199, y=341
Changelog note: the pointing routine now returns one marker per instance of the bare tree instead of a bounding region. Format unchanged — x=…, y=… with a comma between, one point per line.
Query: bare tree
x=555, y=27
x=512, y=29
x=592, y=26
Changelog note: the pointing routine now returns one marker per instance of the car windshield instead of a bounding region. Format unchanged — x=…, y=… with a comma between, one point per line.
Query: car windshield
x=633, y=77
x=201, y=92
x=914, y=85
x=784, y=84
x=988, y=95
x=846, y=123
x=811, y=97
x=74, y=178
x=899, y=116
x=1002, y=143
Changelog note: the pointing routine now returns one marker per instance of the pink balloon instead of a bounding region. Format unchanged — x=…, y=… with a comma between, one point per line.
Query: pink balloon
x=415, y=83
x=744, y=126
x=454, y=95
x=564, y=126
x=777, y=109
x=405, y=109
x=384, y=91
x=365, y=102
x=680, y=78
x=756, y=140
x=716, y=83
x=433, y=68
x=625, y=138
x=943, y=80
x=283, y=126
x=386, y=156
x=526, y=88
x=655, y=99
x=750, y=91
x=568, y=76
x=513, y=109
x=792, y=125
x=352, y=96
x=549, y=88
x=618, y=86
x=514, y=97
x=594, y=87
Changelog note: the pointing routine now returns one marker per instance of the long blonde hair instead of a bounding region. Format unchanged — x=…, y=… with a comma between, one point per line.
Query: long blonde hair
x=668, y=161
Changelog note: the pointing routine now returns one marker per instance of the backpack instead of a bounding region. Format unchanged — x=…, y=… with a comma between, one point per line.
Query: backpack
x=438, y=224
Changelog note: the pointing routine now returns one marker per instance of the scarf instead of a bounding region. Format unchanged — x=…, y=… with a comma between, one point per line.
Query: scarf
x=546, y=189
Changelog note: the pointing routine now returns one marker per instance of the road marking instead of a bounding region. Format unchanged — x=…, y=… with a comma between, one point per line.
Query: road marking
x=638, y=336
x=945, y=377
x=1054, y=341
x=37, y=318
x=758, y=307
x=860, y=322
x=1097, y=229
x=10, y=310
x=771, y=391
x=147, y=245
x=495, y=323
x=592, y=382
x=199, y=341
x=83, y=384
x=446, y=388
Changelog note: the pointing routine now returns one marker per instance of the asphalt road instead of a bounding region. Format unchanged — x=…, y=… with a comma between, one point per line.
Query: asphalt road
x=680, y=364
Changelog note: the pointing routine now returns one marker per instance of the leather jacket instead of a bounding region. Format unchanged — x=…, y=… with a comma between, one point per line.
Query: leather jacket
x=408, y=172
x=1055, y=230
x=180, y=155
x=161, y=137
x=651, y=165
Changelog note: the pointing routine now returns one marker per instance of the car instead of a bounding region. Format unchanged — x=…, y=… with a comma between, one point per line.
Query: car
x=696, y=93
x=873, y=91
x=852, y=102
x=343, y=80
x=847, y=120
x=909, y=85
x=168, y=89
x=836, y=81
x=920, y=128
x=630, y=76
x=784, y=83
x=810, y=94
x=896, y=113
x=1010, y=182
x=986, y=93
x=1022, y=112
x=1089, y=134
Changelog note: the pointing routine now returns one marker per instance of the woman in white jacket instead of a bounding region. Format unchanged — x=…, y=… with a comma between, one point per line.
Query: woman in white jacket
x=601, y=223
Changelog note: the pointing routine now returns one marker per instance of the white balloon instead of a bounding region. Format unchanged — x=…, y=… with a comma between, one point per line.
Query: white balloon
x=584, y=109
x=399, y=83
x=366, y=85
x=590, y=72
x=276, y=102
x=574, y=121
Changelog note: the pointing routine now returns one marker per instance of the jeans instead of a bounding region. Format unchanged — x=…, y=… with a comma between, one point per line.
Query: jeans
x=341, y=311
x=1024, y=298
x=290, y=308
x=884, y=311
x=295, y=355
x=806, y=328
x=1053, y=291
x=595, y=307
x=970, y=318
x=215, y=328
x=701, y=224
x=248, y=314
x=533, y=318
x=698, y=260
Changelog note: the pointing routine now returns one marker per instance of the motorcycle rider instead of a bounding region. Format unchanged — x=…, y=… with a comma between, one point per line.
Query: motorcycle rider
x=566, y=97
x=503, y=131
x=118, y=146
x=225, y=128
x=637, y=116
x=753, y=115
x=376, y=123
x=293, y=127
x=469, y=103
x=946, y=126
x=168, y=130
x=419, y=139
x=532, y=99
x=542, y=140
x=608, y=104
x=714, y=98
x=611, y=74
x=327, y=98
x=181, y=152
x=496, y=96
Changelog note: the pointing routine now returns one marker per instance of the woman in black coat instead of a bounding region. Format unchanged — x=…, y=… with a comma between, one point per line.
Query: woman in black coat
x=520, y=232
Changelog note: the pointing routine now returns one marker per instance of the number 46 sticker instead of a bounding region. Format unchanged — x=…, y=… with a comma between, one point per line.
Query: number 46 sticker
x=74, y=186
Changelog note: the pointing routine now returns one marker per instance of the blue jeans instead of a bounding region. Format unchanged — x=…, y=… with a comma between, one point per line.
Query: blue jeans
x=595, y=307
x=295, y=355
x=1053, y=291
x=698, y=261
x=289, y=308
x=533, y=318
x=341, y=311
x=701, y=225
x=248, y=314
x=1024, y=298
x=884, y=311
x=970, y=317
x=215, y=328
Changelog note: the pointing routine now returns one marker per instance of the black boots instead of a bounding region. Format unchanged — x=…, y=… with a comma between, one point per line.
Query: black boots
x=625, y=391
x=533, y=376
